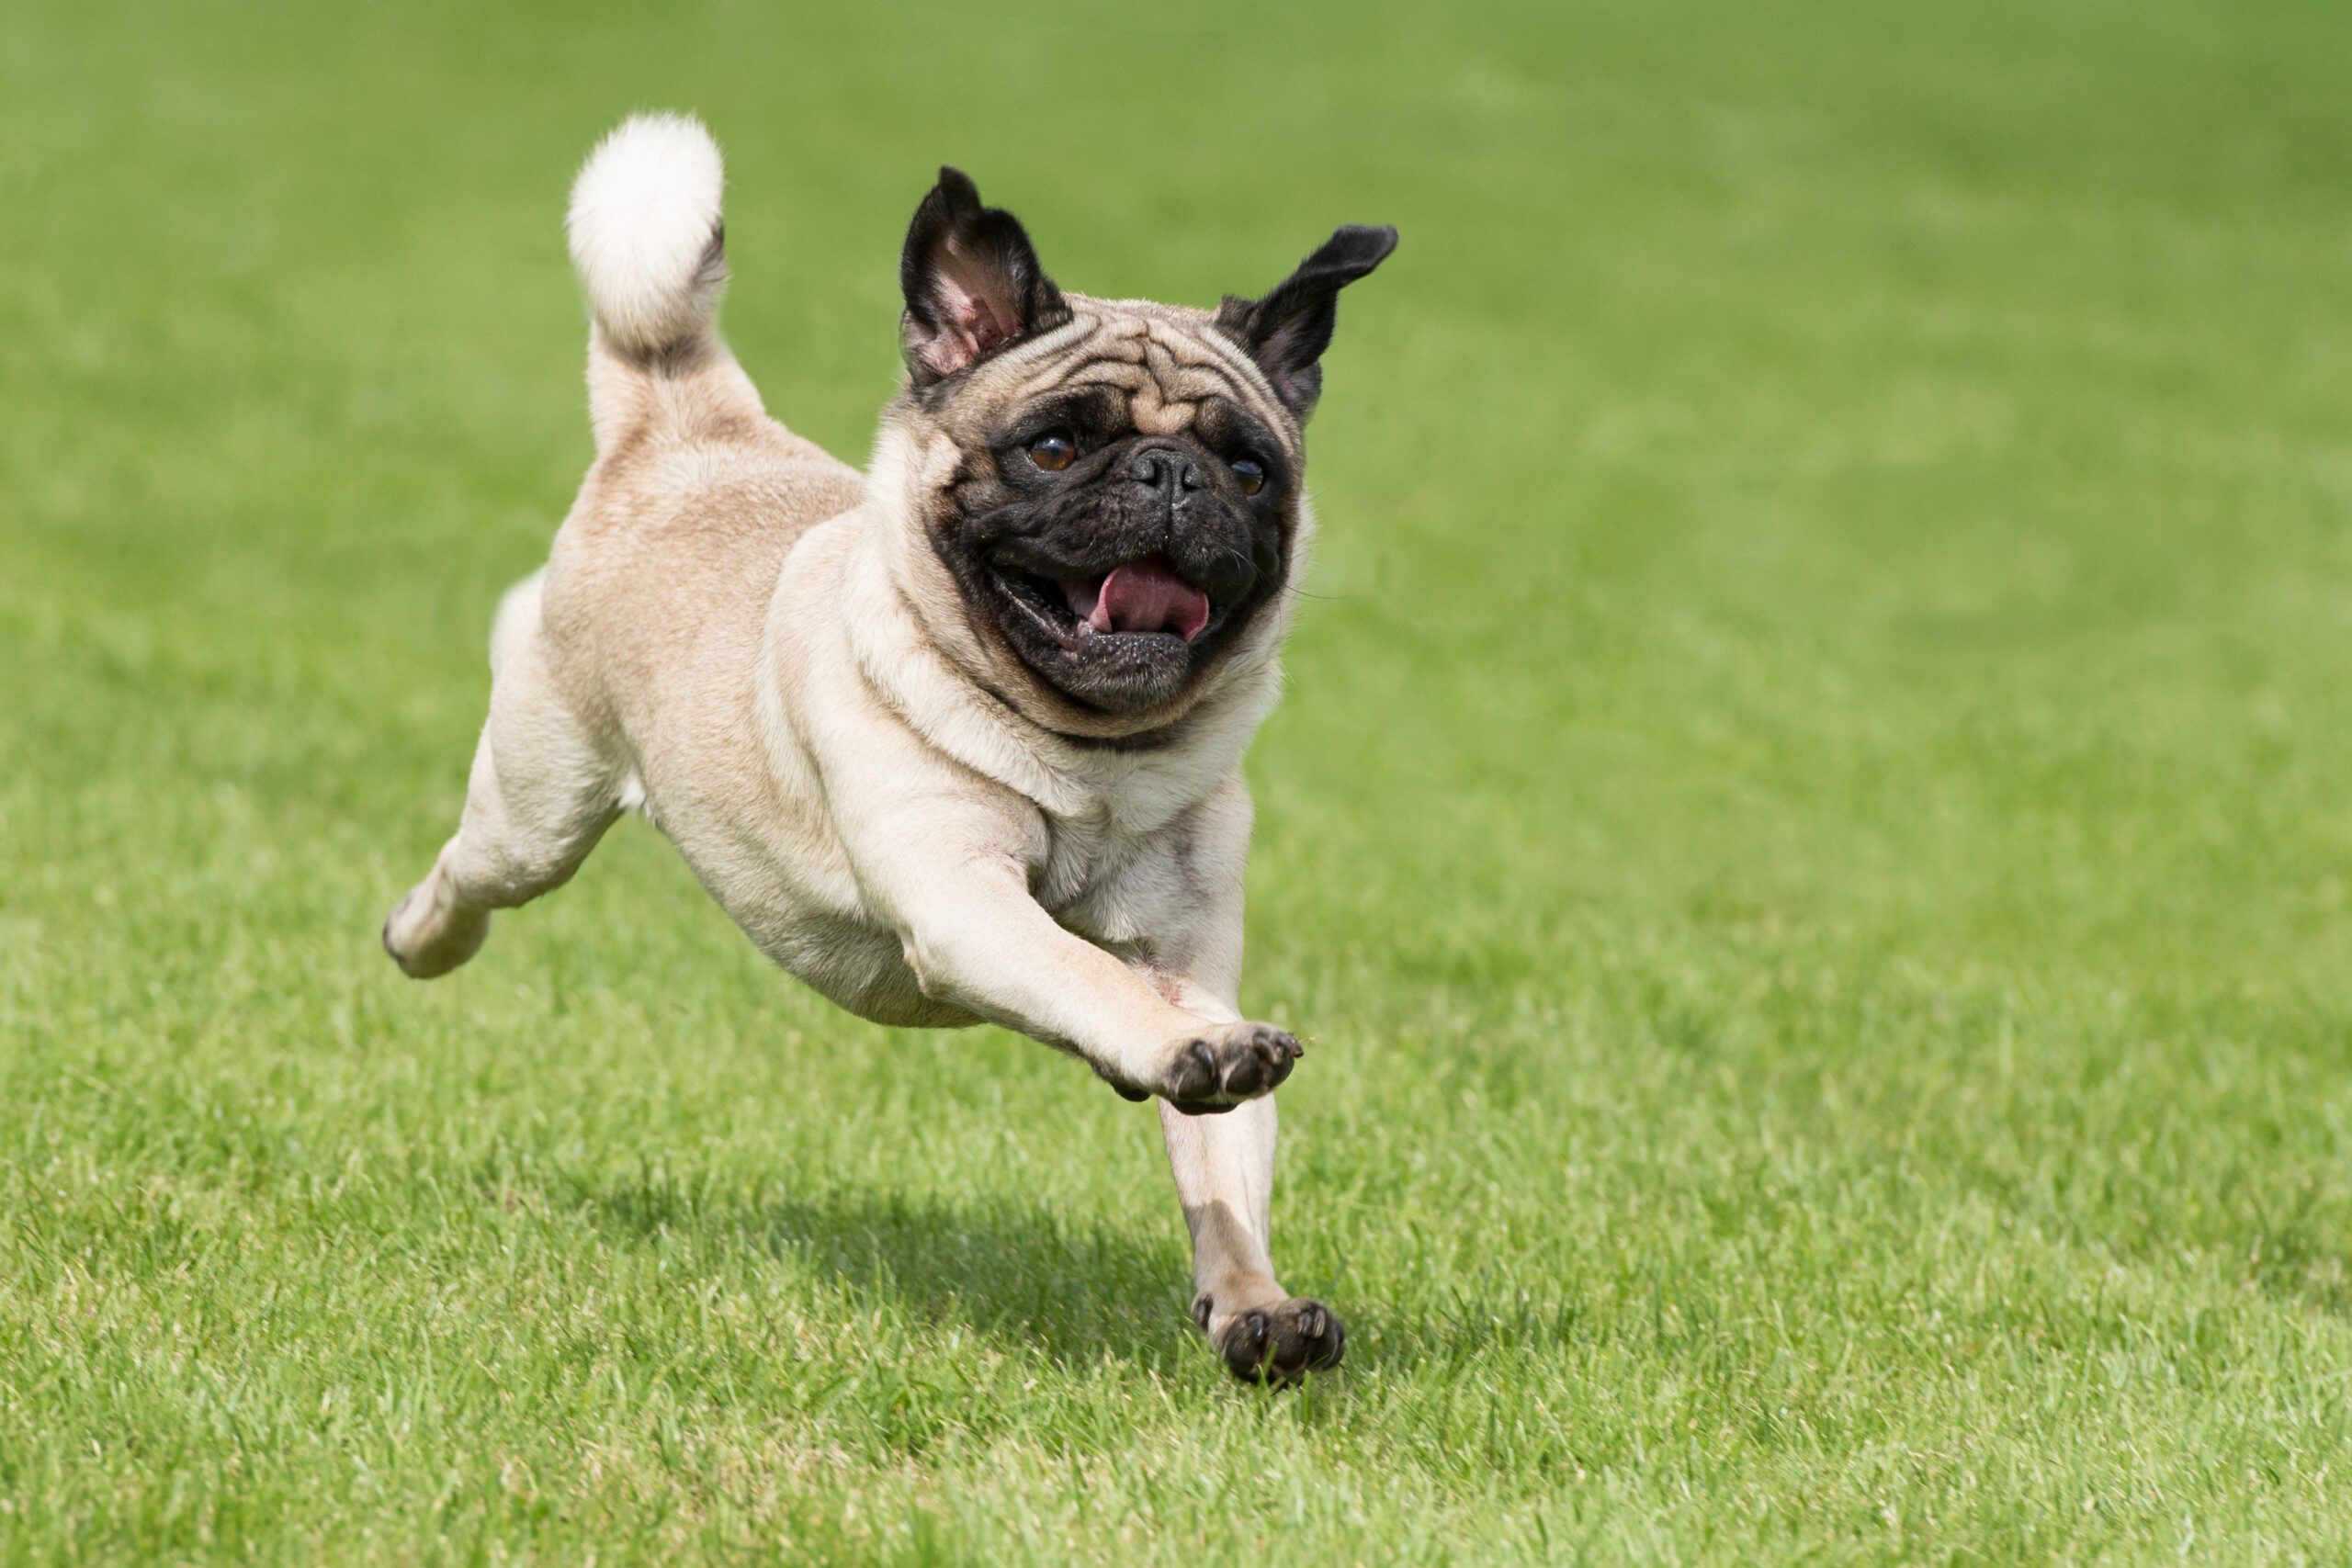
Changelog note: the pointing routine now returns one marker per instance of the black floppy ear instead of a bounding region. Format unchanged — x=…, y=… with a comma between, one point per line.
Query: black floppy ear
x=971, y=279
x=1287, y=331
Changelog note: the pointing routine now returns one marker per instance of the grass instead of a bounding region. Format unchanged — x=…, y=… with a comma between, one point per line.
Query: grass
x=1811, y=824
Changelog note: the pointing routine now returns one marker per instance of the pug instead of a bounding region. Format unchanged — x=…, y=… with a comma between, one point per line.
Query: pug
x=958, y=739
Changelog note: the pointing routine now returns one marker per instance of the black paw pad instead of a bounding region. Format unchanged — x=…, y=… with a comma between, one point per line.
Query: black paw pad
x=1272, y=1053
x=1283, y=1345
x=1246, y=1075
x=1196, y=1074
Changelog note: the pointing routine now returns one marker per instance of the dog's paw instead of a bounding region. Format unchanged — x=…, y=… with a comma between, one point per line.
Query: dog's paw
x=427, y=938
x=1225, y=1064
x=1276, y=1345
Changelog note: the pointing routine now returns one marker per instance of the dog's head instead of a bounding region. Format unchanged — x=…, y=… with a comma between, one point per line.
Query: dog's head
x=1114, y=487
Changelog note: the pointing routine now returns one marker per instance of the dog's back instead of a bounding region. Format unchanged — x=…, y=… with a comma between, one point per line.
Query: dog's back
x=661, y=579
x=627, y=670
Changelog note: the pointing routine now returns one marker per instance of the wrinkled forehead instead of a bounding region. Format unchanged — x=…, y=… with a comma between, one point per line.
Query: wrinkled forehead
x=1168, y=365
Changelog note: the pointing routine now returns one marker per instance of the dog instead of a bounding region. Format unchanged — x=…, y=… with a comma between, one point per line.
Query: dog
x=957, y=740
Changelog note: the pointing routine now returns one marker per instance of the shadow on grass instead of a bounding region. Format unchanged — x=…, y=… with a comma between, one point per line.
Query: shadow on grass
x=1009, y=1268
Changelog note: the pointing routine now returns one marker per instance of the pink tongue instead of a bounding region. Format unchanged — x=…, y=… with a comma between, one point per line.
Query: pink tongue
x=1143, y=596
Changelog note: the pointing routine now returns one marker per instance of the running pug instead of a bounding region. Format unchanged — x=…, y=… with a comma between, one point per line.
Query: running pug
x=957, y=739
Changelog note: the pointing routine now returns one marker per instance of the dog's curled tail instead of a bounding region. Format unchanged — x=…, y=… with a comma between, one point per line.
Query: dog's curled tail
x=646, y=234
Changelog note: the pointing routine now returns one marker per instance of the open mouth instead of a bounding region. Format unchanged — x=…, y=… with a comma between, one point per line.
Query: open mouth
x=1146, y=596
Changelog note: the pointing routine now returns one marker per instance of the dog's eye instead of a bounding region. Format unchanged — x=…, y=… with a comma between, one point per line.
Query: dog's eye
x=1251, y=473
x=1053, y=451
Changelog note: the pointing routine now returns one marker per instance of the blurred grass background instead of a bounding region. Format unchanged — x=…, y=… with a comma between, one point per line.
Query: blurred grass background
x=1810, y=826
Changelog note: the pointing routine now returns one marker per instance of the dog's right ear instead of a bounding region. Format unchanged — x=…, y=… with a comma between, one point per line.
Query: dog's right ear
x=1287, y=331
x=972, y=282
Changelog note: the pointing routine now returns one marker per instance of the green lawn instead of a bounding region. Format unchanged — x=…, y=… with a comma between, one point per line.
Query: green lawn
x=1811, y=825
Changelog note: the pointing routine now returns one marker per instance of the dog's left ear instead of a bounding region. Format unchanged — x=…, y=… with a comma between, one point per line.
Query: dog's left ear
x=1287, y=331
x=971, y=279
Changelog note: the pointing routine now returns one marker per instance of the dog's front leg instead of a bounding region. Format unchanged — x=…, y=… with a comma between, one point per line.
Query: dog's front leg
x=976, y=937
x=1224, y=1165
x=1225, y=1177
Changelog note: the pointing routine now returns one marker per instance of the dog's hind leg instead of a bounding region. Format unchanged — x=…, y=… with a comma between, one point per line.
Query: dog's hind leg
x=541, y=794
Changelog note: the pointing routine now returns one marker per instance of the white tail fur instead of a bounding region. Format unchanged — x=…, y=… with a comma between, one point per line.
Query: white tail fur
x=645, y=232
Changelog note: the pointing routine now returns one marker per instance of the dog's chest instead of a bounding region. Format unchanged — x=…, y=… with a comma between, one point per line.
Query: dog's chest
x=1113, y=881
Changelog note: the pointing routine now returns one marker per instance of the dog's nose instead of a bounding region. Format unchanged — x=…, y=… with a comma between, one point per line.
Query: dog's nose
x=1164, y=470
